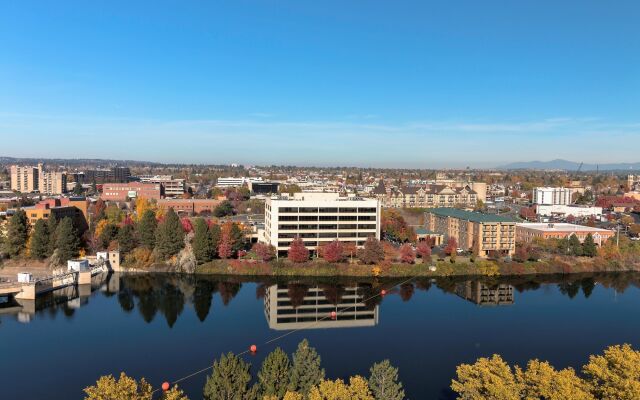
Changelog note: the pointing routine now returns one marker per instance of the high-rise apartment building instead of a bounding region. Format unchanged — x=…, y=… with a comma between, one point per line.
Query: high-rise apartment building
x=24, y=179
x=28, y=179
x=553, y=195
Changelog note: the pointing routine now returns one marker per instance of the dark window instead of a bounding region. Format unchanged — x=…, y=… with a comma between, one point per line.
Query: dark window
x=308, y=209
x=328, y=226
x=327, y=234
x=349, y=226
x=308, y=227
x=348, y=210
x=328, y=210
x=288, y=209
x=366, y=217
x=367, y=226
x=347, y=234
x=367, y=210
x=287, y=226
x=348, y=218
x=287, y=218
x=328, y=218
x=308, y=218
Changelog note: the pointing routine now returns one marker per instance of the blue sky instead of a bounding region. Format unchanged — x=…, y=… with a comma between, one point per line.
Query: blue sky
x=370, y=83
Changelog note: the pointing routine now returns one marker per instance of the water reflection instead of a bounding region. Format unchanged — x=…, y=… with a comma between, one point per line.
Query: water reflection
x=293, y=304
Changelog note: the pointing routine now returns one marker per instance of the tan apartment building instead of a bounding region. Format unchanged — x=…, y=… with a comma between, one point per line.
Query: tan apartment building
x=426, y=196
x=527, y=232
x=52, y=182
x=24, y=179
x=482, y=234
x=36, y=179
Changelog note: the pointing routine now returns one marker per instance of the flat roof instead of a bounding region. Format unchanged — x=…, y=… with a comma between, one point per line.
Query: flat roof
x=472, y=216
x=560, y=227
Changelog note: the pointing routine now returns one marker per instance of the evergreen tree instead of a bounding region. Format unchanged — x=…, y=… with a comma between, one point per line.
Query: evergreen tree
x=16, y=237
x=39, y=243
x=108, y=234
x=126, y=239
x=589, y=248
x=237, y=238
x=202, y=246
x=67, y=241
x=215, y=235
x=575, y=247
x=273, y=377
x=306, y=371
x=147, y=229
x=169, y=235
x=52, y=228
x=229, y=379
x=384, y=382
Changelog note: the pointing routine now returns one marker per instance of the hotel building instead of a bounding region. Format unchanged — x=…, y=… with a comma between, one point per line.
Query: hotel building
x=484, y=295
x=527, y=232
x=320, y=218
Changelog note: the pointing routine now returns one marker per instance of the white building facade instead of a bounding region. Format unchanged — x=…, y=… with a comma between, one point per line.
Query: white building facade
x=232, y=181
x=566, y=210
x=553, y=195
x=320, y=218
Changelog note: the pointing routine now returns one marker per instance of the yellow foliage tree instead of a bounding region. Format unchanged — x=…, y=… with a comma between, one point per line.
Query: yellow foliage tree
x=100, y=227
x=488, y=378
x=541, y=381
x=287, y=396
x=127, y=388
x=358, y=389
x=142, y=205
x=615, y=374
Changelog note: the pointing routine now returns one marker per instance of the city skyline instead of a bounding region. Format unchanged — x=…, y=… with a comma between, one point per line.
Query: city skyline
x=386, y=85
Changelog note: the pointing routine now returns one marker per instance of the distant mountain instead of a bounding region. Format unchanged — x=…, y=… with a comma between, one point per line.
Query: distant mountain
x=570, y=166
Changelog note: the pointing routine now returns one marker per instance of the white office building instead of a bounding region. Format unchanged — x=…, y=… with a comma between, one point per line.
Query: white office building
x=172, y=187
x=320, y=218
x=239, y=181
x=563, y=211
x=553, y=195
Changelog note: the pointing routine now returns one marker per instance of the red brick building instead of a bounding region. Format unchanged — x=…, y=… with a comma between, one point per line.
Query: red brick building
x=189, y=206
x=131, y=190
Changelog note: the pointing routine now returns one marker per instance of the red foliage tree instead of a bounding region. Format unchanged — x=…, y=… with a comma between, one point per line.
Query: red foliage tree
x=297, y=252
x=186, y=225
x=225, y=248
x=423, y=249
x=264, y=251
x=373, y=252
x=407, y=255
x=333, y=252
x=452, y=245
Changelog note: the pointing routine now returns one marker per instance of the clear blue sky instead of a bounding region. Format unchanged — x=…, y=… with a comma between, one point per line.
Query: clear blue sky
x=371, y=83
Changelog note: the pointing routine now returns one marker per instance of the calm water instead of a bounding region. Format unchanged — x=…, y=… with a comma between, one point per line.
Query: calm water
x=165, y=326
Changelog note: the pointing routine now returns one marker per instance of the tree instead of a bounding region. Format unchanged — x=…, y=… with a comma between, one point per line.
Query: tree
x=273, y=377
x=451, y=247
x=424, y=251
x=373, y=252
x=107, y=232
x=615, y=374
x=575, y=247
x=147, y=229
x=589, y=248
x=487, y=378
x=407, y=255
x=202, y=245
x=39, y=243
x=215, y=235
x=52, y=227
x=338, y=390
x=67, y=241
x=237, y=237
x=126, y=239
x=333, y=252
x=298, y=253
x=306, y=371
x=17, y=233
x=142, y=206
x=383, y=382
x=229, y=379
x=126, y=388
x=541, y=381
x=223, y=209
x=225, y=247
x=169, y=235
x=266, y=252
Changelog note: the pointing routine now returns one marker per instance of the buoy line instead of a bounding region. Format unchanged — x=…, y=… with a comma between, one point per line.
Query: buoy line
x=253, y=348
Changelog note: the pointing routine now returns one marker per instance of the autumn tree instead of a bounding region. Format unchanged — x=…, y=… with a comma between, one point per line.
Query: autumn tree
x=305, y=371
x=407, y=255
x=229, y=379
x=487, y=378
x=298, y=253
x=333, y=252
x=273, y=377
x=372, y=252
x=169, y=235
x=17, y=234
x=107, y=232
x=142, y=206
x=147, y=229
x=451, y=247
x=357, y=389
x=383, y=382
x=615, y=374
x=223, y=209
x=541, y=381
x=225, y=247
x=126, y=388
x=423, y=250
x=266, y=252
x=39, y=243
x=67, y=241
x=394, y=225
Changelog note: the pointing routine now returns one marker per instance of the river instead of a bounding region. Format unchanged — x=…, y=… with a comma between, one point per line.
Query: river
x=164, y=327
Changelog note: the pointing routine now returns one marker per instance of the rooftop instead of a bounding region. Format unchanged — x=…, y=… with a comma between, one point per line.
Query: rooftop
x=472, y=216
x=560, y=227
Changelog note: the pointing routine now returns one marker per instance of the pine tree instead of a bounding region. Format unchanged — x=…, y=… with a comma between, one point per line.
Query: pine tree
x=589, y=248
x=126, y=239
x=16, y=237
x=169, y=235
x=306, y=371
x=237, y=238
x=575, y=247
x=273, y=377
x=39, y=244
x=147, y=229
x=229, y=379
x=52, y=228
x=215, y=235
x=202, y=242
x=67, y=241
x=384, y=382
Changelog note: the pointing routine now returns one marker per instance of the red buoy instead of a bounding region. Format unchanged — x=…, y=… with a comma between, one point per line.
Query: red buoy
x=333, y=315
x=253, y=348
x=165, y=386
x=383, y=292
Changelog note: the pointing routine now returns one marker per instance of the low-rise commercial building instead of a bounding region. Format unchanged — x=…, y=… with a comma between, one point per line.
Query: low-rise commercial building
x=528, y=232
x=236, y=181
x=74, y=208
x=190, y=206
x=565, y=210
x=172, y=187
x=100, y=176
x=263, y=187
x=320, y=218
x=483, y=234
x=131, y=190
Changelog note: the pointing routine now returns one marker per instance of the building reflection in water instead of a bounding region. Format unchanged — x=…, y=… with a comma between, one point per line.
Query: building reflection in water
x=485, y=295
x=294, y=306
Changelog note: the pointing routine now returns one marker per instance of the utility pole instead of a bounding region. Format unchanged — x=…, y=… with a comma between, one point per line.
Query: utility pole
x=618, y=237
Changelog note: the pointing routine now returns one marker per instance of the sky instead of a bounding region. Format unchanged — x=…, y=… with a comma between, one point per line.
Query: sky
x=425, y=84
